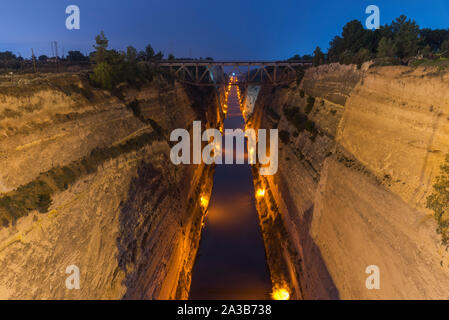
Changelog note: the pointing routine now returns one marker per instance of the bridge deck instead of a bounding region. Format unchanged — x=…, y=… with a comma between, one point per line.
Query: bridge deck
x=231, y=63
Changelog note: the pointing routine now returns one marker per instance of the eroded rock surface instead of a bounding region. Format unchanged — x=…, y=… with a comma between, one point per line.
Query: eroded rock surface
x=86, y=180
x=363, y=149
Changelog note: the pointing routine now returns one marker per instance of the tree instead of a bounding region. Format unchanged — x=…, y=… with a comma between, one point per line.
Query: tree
x=103, y=76
x=101, y=42
x=362, y=56
x=307, y=57
x=426, y=51
x=445, y=48
x=141, y=55
x=149, y=52
x=347, y=57
x=355, y=36
x=158, y=56
x=336, y=48
x=318, y=57
x=76, y=56
x=42, y=58
x=295, y=57
x=433, y=38
x=7, y=55
x=405, y=36
x=387, y=48
x=101, y=46
x=131, y=68
x=131, y=54
x=171, y=56
x=111, y=67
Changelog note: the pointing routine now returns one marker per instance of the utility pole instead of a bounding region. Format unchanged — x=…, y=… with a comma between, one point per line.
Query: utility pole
x=54, y=52
x=57, y=59
x=21, y=62
x=34, y=60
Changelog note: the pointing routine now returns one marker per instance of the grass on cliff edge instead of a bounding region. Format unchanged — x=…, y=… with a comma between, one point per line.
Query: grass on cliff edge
x=37, y=195
x=438, y=201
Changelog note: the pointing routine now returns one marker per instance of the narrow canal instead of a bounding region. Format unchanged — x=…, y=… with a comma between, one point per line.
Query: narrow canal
x=231, y=258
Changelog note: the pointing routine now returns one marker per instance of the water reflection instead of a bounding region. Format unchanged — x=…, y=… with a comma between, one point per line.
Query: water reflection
x=231, y=259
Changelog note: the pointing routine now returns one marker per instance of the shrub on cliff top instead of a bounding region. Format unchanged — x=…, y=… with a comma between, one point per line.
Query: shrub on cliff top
x=438, y=201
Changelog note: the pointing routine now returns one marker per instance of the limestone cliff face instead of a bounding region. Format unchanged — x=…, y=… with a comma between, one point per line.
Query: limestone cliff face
x=86, y=180
x=360, y=152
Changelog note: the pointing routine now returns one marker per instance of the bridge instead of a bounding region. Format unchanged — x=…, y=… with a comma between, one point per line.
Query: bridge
x=211, y=73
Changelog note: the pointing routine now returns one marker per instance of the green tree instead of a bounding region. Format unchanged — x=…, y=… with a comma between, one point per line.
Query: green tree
x=426, y=51
x=353, y=38
x=347, y=57
x=406, y=36
x=131, y=54
x=171, y=56
x=76, y=56
x=111, y=66
x=386, y=48
x=445, y=48
x=7, y=55
x=307, y=57
x=318, y=57
x=103, y=76
x=362, y=56
x=159, y=56
x=295, y=57
x=149, y=52
x=336, y=48
x=353, y=35
x=433, y=38
x=141, y=55
x=101, y=46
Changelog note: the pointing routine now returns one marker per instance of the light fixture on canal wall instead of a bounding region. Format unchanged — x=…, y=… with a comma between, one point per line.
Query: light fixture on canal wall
x=204, y=201
x=260, y=193
x=280, y=294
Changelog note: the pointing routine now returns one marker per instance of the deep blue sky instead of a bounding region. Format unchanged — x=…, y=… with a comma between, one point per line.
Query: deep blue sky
x=233, y=29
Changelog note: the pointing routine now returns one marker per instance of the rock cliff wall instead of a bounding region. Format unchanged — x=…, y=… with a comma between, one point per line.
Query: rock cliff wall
x=86, y=180
x=360, y=151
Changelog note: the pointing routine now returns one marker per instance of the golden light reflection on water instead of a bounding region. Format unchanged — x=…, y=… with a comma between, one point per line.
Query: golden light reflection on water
x=223, y=213
x=231, y=259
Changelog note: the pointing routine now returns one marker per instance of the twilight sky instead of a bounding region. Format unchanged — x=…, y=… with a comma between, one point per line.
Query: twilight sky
x=233, y=29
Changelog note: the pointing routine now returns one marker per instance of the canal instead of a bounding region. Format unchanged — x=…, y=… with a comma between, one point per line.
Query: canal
x=231, y=259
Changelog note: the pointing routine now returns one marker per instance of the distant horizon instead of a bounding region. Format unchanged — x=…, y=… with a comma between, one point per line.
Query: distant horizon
x=264, y=30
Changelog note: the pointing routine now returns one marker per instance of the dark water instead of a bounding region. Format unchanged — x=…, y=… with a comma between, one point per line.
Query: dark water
x=231, y=259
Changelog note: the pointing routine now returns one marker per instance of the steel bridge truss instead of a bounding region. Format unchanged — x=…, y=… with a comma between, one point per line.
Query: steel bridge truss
x=212, y=73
